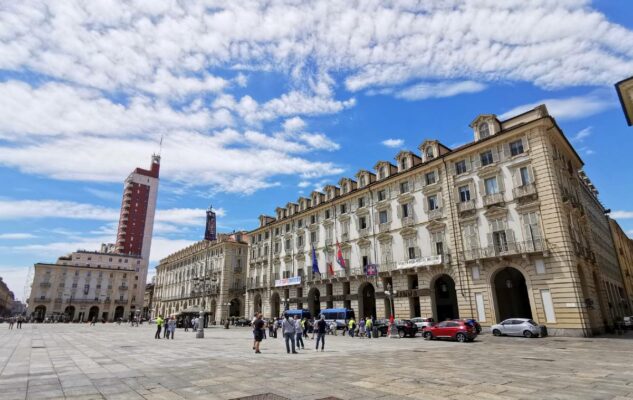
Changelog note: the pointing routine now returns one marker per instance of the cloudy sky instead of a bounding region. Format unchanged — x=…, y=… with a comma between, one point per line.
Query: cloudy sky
x=261, y=102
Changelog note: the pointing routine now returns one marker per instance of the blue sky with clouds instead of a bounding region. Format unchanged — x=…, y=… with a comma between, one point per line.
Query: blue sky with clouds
x=261, y=102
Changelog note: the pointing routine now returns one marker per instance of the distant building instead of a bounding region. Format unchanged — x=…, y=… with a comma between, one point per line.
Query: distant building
x=505, y=226
x=625, y=93
x=107, y=284
x=6, y=299
x=19, y=308
x=208, y=276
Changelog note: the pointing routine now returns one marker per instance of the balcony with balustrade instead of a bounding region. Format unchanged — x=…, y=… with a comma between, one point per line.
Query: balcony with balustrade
x=506, y=249
x=407, y=221
x=435, y=214
x=384, y=227
x=493, y=199
x=525, y=192
x=466, y=206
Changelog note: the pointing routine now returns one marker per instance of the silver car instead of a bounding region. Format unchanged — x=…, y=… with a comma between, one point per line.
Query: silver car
x=517, y=327
x=422, y=322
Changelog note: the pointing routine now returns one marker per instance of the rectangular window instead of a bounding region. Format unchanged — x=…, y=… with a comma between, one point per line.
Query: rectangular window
x=365, y=260
x=313, y=237
x=432, y=202
x=382, y=216
x=343, y=208
x=491, y=185
x=287, y=244
x=362, y=221
x=300, y=240
x=500, y=241
x=464, y=193
x=300, y=223
x=532, y=228
x=327, y=214
x=411, y=252
x=460, y=167
x=525, y=176
x=404, y=187
x=361, y=202
x=405, y=210
x=486, y=158
x=382, y=195
x=430, y=178
x=516, y=147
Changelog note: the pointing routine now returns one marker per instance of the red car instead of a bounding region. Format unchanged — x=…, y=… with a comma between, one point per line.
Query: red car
x=459, y=330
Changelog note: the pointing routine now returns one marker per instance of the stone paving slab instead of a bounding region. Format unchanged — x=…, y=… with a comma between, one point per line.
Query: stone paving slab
x=121, y=362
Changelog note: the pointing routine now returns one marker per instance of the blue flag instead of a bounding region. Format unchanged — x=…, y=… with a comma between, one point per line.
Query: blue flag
x=315, y=263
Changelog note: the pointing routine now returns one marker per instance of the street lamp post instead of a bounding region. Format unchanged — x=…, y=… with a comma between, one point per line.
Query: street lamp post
x=393, y=331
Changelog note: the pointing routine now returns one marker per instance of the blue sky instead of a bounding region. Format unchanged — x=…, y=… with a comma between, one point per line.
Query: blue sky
x=261, y=102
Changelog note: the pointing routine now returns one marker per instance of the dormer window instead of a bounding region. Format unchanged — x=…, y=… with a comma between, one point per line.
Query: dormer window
x=344, y=188
x=361, y=181
x=383, y=172
x=404, y=164
x=484, y=130
x=429, y=153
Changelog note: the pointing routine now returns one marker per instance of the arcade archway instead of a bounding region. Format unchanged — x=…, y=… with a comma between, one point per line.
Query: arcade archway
x=445, y=298
x=118, y=313
x=314, y=302
x=69, y=312
x=93, y=313
x=275, y=305
x=367, y=300
x=235, y=307
x=39, y=313
x=511, y=295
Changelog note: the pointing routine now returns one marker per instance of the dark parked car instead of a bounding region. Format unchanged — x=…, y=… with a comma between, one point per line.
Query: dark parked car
x=473, y=322
x=405, y=327
x=459, y=330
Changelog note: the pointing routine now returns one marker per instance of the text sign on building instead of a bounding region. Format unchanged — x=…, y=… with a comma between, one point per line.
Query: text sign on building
x=294, y=280
x=419, y=262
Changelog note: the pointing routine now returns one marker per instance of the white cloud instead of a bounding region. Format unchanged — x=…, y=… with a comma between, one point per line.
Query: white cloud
x=621, y=214
x=441, y=89
x=393, y=143
x=569, y=108
x=304, y=184
x=582, y=134
x=294, y=124
x=20, y=209
x=17, y=236
x=104, y=194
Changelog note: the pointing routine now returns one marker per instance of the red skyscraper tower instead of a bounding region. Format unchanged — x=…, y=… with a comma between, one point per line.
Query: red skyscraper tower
x=138, y=207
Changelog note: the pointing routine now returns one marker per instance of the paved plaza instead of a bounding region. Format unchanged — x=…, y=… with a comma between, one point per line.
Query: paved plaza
x=122, y=362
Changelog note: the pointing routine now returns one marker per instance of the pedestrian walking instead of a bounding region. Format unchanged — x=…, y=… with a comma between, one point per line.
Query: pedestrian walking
x=94, y=321
x=165, y=326
x=187, y=323
x=171, y=327
x=288, y=330
x=299, y=332
x=275, y=327
x=159, y=325
x=321, y=326
x=351, y=327
x=20, y=320
x=368, y=325
x=361, y=328
x=253, y=326
x=259, y=331
x=333, y=328
x=11, y=322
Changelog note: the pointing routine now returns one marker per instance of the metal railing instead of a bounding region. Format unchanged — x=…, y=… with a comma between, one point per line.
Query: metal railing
x=45, y=284
x=506, y=249
x=492, y=199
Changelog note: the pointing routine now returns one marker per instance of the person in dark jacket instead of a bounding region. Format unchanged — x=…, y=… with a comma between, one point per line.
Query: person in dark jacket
x=321, y=328
x=259, y=331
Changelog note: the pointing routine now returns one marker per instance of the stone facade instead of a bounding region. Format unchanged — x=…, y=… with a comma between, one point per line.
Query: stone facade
x=624, y=249
x=148, y=300
x=85, y=285
x=207, y=275
x=625, y=93
x=505, y=226
x=6, y=300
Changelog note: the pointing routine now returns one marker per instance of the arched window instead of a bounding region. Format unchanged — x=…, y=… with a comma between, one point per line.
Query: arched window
x=484, y=130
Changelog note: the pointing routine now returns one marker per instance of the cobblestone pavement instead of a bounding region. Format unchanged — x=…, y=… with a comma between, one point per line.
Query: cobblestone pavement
x=122, y=362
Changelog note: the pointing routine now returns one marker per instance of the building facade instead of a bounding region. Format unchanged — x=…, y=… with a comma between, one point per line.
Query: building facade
x=505, y=226
x=108, y=284
x=208, y=276
x=6, y=300
x=148, y=300
x=625, y=94
x=624, y=249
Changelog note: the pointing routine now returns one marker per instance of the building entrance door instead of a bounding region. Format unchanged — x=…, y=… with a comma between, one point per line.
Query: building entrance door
x=511, y=292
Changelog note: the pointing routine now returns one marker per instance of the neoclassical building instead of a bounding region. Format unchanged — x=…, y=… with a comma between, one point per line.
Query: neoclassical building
x=505, y=226
x=207, y=275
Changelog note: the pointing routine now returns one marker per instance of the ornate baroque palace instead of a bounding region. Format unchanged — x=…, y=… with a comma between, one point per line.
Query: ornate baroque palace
x=506, y=226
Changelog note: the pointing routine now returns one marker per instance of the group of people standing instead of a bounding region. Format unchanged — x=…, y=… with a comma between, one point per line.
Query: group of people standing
x=294, y=330
x=362, y=329
x=16, y=321
x=168, y=326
